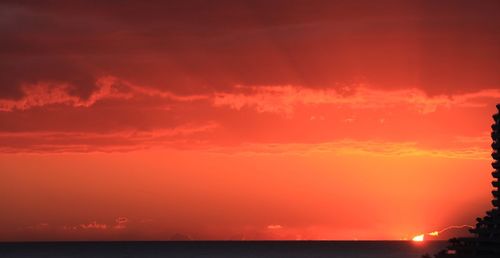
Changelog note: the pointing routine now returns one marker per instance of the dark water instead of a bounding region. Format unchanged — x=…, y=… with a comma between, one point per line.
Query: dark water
x=253, y=249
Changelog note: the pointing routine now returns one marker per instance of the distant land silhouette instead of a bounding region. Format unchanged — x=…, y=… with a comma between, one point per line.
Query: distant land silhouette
x=486, y=240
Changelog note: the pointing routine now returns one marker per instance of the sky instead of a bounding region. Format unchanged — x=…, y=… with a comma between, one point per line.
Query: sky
x=245, y=120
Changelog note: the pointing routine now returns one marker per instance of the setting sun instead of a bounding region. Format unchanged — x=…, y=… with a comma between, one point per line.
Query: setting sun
x=418, y=238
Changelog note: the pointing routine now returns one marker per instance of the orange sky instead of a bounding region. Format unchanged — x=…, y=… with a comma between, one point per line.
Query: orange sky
x=245, y=119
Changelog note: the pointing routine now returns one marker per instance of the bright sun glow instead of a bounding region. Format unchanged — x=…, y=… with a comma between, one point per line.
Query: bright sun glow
x=418, y=238
x=435, y=233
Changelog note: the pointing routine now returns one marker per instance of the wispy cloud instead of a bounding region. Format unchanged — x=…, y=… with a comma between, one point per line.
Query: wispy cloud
x=125, y=140
x=92, y=225
x=50, y=93
x=274, y=226
x=286, y=99
x=107, y=87
x=42, y=226
x=358, y=147
x=120, y=223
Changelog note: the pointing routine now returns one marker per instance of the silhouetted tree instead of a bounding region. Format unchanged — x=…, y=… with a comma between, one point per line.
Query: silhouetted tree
x=486, y=240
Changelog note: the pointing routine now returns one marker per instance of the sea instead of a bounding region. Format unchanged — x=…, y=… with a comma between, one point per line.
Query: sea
x=236, y=249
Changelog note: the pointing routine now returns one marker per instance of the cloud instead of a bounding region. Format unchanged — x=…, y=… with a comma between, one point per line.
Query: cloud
x=289, y=42
x=42, y=226
x=108, y=87
x=286, y=99
x=274, y=226
x=152, y=92
x=136, y=118
x=93, y=225
x=358, y=147
x=121, y=223
x=125, y=140
x=281, y=99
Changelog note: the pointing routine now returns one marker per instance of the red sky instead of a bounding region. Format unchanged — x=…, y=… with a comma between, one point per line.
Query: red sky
x=245, y=119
